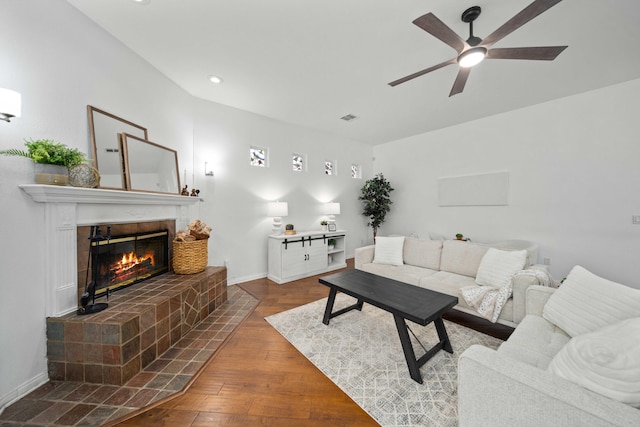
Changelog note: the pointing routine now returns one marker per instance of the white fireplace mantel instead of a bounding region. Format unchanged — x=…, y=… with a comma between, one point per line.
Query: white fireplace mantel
x=68, y=207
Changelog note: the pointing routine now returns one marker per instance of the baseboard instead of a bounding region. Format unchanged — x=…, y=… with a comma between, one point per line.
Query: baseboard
x=236, y=280
x=22, y=390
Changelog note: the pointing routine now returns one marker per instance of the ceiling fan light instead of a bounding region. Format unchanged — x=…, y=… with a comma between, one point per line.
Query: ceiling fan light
x=472, y=57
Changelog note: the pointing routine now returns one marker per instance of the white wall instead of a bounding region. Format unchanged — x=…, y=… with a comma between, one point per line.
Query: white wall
x=60, y=62
x=236, y=197
x=574, y=180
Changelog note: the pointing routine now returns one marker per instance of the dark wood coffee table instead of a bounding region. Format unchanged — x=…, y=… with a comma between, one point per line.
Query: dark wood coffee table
x=404, y=301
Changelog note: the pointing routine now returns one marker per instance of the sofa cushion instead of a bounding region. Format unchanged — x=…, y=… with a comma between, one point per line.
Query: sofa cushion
x=388, y=250
x=586, y=302
x=461, y=257
x=405, y=273
x=497, y=267
x=535, y=342
x=604, y=361
x=422, y=253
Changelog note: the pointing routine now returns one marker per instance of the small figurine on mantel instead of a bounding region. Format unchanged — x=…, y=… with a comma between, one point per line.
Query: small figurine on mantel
x=195, y=192
x=185, y=192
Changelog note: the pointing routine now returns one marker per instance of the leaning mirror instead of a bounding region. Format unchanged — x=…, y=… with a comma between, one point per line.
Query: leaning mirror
x=105, y=129
x=149, y=166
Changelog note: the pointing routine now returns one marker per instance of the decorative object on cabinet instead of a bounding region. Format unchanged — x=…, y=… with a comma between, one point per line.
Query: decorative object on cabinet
x=324, y=224
x=332, y=209
x=305, y=254
x=150, y=166
x=289, y=230
x=10, y=104
x=277, y=210
x=105, y=129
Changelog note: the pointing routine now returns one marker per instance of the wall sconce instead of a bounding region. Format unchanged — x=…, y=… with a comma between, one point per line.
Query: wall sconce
x=10, y=104
x=332, y=209
x=207, y=171
x=277, y=210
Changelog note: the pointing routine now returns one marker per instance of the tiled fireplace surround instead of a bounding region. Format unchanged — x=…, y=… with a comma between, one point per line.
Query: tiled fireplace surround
x=143, y=320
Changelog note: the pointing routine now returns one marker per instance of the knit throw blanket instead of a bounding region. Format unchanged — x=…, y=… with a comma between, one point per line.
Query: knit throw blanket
x=488, y=301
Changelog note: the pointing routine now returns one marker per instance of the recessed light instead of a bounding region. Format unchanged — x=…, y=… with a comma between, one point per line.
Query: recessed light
x=215, y=79
x=142, y=1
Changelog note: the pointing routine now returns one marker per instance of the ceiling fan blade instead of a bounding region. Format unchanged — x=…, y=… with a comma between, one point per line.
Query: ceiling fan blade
x=525, y=15
x=461, y=80
x=432, y=25
x=547, y=53
x=420, y=73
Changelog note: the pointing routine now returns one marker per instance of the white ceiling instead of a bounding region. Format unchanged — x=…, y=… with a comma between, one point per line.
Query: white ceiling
x=311, y=62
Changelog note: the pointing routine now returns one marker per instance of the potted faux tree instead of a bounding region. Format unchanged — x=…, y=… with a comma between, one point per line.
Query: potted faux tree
x=51, y=159
x=375, y=195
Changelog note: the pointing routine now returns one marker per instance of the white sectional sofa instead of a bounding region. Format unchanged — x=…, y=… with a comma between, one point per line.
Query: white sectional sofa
x=446, y=266
x=574, y=360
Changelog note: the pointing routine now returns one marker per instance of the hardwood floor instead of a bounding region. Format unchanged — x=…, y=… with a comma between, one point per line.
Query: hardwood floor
x=258, y=378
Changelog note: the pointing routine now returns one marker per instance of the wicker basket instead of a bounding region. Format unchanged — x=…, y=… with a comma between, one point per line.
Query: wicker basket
x=190, y=257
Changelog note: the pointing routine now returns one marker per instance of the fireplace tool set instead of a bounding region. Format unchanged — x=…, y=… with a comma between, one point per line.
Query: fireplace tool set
x=95, y=236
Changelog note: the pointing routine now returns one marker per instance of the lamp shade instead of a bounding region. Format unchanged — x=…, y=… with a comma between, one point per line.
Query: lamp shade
x=10, y=104
x=278, y=209
x=332, y=208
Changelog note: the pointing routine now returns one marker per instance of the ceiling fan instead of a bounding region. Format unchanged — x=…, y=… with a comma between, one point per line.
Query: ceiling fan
x=474, y=49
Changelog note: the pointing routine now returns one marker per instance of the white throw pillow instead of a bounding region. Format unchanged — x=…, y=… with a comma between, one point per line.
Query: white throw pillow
x=606, y=361
x=388, y=250
x=497, y=266
x=585, y=302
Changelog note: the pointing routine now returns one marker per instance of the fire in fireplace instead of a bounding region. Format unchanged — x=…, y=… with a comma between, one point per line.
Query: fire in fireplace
x=120, y=261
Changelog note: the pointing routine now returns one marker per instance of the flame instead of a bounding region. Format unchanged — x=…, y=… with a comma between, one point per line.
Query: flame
x=130, y=260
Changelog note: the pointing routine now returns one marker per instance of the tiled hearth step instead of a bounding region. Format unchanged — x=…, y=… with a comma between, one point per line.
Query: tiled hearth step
x=88, y=404
x=141, y=323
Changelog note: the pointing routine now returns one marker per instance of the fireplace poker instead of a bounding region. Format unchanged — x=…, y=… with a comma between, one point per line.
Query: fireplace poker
x=90, y=287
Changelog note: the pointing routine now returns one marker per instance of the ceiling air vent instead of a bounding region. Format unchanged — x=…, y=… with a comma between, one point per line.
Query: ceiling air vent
x=348, y=117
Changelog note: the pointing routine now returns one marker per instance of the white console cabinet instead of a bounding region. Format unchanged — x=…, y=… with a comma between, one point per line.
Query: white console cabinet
x=293, y=257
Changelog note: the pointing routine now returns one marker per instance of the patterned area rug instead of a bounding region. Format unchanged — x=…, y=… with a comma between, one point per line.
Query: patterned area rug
x=361, y=353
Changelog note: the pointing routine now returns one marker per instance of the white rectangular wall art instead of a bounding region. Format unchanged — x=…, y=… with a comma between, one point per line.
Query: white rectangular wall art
x=487, y=189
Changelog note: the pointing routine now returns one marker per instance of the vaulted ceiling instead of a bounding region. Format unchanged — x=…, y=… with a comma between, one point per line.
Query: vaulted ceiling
x=311, y=62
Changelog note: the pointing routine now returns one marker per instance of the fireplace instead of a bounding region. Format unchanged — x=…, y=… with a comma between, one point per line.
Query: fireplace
x=70, y=211
x=120, y=255
x=143, y=321
x=120, y=261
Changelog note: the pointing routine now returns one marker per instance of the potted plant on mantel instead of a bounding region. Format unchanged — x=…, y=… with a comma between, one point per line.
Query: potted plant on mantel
x=52, y=160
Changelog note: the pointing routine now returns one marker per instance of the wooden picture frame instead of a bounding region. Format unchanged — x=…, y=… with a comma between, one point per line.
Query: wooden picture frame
x=106, y=146
x=149, y=166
